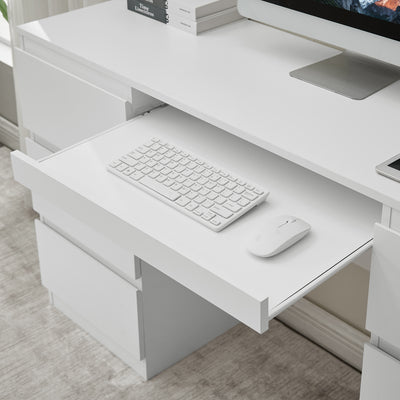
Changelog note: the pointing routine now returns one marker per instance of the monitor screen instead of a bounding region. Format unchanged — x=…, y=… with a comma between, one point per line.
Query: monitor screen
x=380, y=17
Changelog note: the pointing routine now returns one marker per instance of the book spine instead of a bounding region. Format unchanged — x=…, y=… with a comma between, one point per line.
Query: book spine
x=148, y=10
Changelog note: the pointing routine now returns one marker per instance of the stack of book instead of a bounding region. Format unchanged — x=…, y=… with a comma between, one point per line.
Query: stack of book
x=196, y=16
x=192, y=16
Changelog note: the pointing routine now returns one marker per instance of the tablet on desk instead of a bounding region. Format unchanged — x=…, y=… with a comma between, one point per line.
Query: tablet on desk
x=390, y=168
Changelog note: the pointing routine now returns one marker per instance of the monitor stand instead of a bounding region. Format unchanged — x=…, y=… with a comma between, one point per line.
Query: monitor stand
x=349, y=74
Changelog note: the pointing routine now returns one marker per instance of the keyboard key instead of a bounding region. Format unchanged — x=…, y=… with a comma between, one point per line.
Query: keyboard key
x=232, y=206
x=128, y=171
x=249, y=195
x=199, y=169
x=214, y=177
x=129, y=160
x=184, y=190
x=199, y=199
x=136, y=175
x=187, y=172
x=188, y=183
x=249, y=187
x=184, y=161
x=154, y=174
x=151, y=163
x=151, y=153
x=176, y=186
x=183, y=201
x=161, y=178
x=158, y=167
x=143, y=149
x=114, y=163
x=258, y=191
x=121, y=167
x=191, y=206
x=192, y=195
x=177, y=157
x=216, y=221
x=218, y=189
x=162, y=150
x=168, y=182
x=210, y=185
x=199, y=211
x=243, y=202
x=207, y=203
x=202, y=181
x=226, y=193
x=155, y=146
x=157, y=157
x=222, y=181
x=195, y=176
x=221, y=211
x=160, y=188
x=173, y=175
x=166, y=171
x=235, y=197
x=180, y=179
x=196, y=187
x=192, y=165
x=208, y=215
x=136, y=156
x=164, y=161
x=172, y=164
x=239, y=189
x=230, y=185
x=179, y=168
x=203, y=191
x=207, y=173
x=147, y=170
x=212, y=195
x=220, y=200
x=139, y=166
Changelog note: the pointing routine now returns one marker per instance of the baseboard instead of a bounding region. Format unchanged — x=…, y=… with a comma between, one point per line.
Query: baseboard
x=9, y=135
x=326, y=330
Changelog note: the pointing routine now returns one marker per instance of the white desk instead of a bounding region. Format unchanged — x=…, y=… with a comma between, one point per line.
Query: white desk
x=235, y=78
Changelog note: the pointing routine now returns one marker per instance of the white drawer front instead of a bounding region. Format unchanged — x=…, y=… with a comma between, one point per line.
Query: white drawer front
x=35, y=150
x=105, y=301
x=384, y=290
x=61, y=108
x=380, y=375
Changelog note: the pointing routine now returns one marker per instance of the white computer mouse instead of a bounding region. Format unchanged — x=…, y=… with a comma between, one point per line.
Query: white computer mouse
x=277, y=234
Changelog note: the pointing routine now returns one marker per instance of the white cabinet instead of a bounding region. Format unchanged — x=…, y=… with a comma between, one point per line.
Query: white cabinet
x=380, y=377
x=384, y=294
x=109, y=306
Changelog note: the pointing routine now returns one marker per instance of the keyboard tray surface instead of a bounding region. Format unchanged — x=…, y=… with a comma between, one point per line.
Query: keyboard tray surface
x=341, y=219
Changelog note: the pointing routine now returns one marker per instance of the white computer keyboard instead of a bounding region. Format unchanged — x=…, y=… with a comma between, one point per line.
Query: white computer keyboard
x=195, y=187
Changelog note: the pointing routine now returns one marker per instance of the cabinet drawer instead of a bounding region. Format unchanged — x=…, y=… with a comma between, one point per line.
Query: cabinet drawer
x=380, y=375
x=110, y=306
x=384, y=294
x=61, y=108
x=35, y=150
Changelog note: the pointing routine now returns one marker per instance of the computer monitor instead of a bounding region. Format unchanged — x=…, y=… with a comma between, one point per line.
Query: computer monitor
x=368, y=31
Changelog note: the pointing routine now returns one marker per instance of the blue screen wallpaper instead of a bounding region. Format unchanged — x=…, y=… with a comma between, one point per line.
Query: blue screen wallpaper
x=387, y=10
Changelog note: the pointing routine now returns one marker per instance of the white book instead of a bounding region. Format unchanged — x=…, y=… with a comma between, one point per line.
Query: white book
x=195, y=9
x=204, y=23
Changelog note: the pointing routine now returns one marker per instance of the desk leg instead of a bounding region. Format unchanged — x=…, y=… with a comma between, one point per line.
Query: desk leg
x=176, y=321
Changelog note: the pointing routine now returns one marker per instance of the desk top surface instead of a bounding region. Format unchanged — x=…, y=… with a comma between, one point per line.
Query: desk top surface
x=237, y=78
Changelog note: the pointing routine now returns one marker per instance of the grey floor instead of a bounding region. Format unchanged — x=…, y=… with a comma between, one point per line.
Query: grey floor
x=44, y=356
